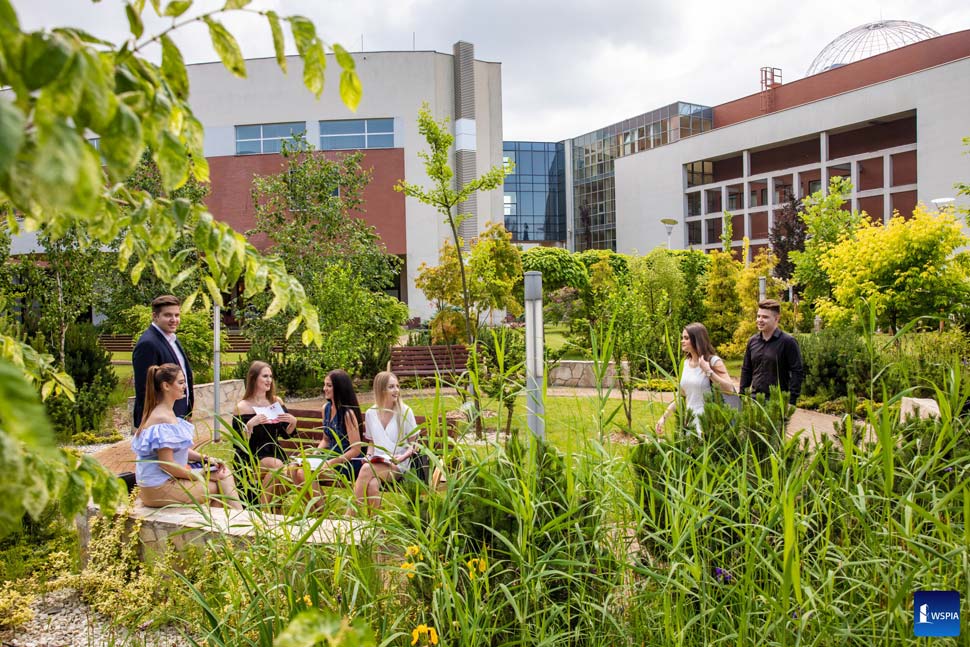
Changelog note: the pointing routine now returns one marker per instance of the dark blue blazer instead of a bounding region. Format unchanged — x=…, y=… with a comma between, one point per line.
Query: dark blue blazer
x=153, y=349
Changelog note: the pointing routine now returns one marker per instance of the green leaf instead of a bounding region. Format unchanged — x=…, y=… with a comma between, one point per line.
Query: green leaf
x=304, y=33
x=22, y=413
x=350, y=89
x=173, y=68
x=98, y=102
x=227, y=48
x=236, y=4
x=176, y=8
x=8, y=19
x=293, y=325
x=44, y=58
x=189, y=302
x=11, y=132
x=134, y=21
x=344, y=59
x=121, y=143
x=277, y=30
x=314, y=64
x=173, y=165
x=312, y=627
x=214, y=292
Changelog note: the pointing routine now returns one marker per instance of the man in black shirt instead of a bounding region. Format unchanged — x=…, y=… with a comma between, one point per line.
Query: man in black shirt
x=772, y=356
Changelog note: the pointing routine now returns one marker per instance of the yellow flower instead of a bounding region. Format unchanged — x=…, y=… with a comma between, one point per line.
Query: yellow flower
x=408, y=568
x=426, y=632
x=420, y=630
x=413, y=551
x=476, y=564
x=307, y=601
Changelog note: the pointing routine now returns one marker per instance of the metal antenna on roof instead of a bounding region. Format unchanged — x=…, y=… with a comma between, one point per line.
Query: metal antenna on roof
x=413, y=48
x=362, y=42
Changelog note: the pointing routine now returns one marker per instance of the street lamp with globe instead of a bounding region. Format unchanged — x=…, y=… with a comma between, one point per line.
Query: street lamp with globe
x=669, y=224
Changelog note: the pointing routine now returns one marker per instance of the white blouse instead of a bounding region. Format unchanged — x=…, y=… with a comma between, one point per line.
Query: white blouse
x=391, y=440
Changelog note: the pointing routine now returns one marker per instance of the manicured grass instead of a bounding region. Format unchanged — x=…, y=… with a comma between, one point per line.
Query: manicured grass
x=557, y=336
x=570, y=420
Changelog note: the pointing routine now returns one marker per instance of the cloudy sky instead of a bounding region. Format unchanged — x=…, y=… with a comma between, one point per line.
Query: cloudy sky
x=568, y=66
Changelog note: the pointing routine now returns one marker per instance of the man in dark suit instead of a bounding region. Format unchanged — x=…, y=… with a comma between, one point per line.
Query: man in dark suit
x=158, y=346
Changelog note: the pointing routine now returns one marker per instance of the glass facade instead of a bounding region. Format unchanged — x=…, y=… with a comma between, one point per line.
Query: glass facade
x=594, y=191
x=535, y=192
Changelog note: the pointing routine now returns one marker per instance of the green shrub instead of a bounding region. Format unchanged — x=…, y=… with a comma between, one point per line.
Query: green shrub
x=835, y=362
x=90, y=366
x=923, y=359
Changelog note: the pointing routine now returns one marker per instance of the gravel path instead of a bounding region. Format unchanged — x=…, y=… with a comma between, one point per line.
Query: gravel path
x=61, y=619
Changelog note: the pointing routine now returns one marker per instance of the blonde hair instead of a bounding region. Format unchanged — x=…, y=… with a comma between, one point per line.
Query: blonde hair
x=252, y=375
x=381, y=382
x=157, y=376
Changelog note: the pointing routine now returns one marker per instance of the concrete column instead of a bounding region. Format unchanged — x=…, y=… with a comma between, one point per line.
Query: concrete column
x=887, y=202
x=854, y=177
x=823, y=139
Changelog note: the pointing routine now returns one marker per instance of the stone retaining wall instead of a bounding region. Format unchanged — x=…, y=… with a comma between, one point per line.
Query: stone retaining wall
x=179, y=526
x=230, y=392
x=580, y=374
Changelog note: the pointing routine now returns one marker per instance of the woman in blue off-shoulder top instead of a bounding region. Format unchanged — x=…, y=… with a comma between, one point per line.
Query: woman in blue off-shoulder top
x=163, y=450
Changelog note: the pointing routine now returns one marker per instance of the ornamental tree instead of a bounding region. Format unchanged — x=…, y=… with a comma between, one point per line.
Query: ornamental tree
x=559, y=267
x=66, y=87
x=447, y=198
x=494, y=271
x=826, y=222
x=906, y=269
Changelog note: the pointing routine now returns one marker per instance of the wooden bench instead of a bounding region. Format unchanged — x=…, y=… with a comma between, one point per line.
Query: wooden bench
x=309, y=433
x=428, y=361
x=237, y=343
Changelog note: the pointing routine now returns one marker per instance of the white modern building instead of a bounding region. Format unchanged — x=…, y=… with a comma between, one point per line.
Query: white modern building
x=893, y=123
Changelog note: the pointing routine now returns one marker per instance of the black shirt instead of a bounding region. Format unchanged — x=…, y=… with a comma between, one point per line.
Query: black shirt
x=775, y=361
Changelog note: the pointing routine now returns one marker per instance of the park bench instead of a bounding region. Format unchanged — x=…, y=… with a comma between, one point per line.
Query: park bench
x=237, y=343
x=309, y=433
x=428, y=361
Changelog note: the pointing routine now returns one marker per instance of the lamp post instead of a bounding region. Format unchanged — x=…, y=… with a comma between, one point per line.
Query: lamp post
x=216, y=369
x=669, y=224
x=762, y=287
x=942, y=203
x=534, y=353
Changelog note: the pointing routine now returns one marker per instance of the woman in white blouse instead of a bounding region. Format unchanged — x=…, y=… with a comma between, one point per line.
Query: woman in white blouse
x=703, y=370
x=388, y=428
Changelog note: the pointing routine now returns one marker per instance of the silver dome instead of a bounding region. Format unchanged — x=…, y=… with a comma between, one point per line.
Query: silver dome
x=868, y=40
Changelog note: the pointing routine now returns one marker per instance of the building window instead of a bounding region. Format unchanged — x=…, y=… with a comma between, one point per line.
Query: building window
x=265, y=138
x=347, y=134
x=694, y=233
x=694, y=203
x=814, y=186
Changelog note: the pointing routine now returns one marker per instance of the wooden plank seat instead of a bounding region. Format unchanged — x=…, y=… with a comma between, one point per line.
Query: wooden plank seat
x=116, y=343
x=428, y=361
x=309, y=433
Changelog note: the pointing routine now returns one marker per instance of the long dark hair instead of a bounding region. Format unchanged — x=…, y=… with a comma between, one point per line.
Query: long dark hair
x=700, y=340
x=252, y=375
x=157, y=376
x=344, y=396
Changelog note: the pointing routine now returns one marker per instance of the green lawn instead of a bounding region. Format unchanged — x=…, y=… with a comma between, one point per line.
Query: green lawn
x=570, y=420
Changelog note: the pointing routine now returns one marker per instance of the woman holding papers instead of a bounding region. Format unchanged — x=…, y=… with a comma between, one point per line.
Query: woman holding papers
x=389, y=427
x=163, y=448
x=261, y=418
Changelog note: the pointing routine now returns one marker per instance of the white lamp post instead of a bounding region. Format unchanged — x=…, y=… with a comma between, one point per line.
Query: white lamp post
x=534, y=353
x=669, y=224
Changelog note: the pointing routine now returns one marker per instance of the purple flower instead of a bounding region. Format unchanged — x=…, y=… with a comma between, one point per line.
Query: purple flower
x=947, y=469
x=723, y=575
